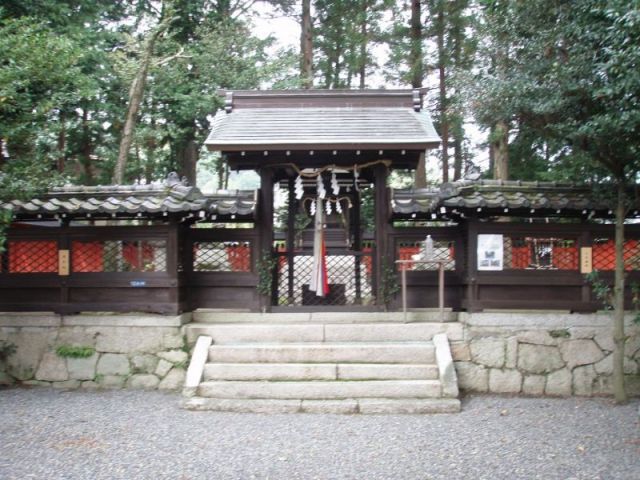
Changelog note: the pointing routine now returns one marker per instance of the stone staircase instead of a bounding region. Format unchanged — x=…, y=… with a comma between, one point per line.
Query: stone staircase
x=320, y=363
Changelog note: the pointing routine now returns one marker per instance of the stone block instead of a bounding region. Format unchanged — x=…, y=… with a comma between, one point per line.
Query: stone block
x=143, y=381
x=129, y=339
x=630, y=366
x=579, y=333
x=163, y=368
x=461, y=352
x=144, y=363
x=580, y=352
x=472, y=377
x=174, y=356
x=538, y=358
x=172, y=340
x=174, y=380
x=603, y=385
x=89, y=385
x=82, y=368
x=536, y=337
x=321, y=390
x=330, y=406
x=511, y=359
x=36, y=383
x=488, y=351
x=76, y=336
x=111, y=381
x=113, y=364
x=605, y=366
x=533, y=384
x=71, y=384
x=409, y=406
x=504, y=381
x=583, y=380
x=604, y=339
x=31, y=344
x=52, y=368
x=632, y=346
x=6, y=379
x=559, y=383
x=632, y=385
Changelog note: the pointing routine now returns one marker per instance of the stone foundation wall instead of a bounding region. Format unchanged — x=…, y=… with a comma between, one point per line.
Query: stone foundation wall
x=543, y=354
x=141, y=351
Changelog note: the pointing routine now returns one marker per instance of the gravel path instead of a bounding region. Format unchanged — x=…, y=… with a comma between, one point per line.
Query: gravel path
x=48, y=434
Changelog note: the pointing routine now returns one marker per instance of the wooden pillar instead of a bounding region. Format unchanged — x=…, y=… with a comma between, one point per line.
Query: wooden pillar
x=291, y=238
x=381, y=226
x=172, y=263
x=357, y=243
x=64, y=243
x=585, y=240
x=265, y=218
x=471, y=278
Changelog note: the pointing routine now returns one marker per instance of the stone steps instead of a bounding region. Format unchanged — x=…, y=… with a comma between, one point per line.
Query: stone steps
x=350, y=406
x=213, y=316
x=318, y=332
x=348, y=367
x=321, y=390
x=310, y=352
x=319, y=371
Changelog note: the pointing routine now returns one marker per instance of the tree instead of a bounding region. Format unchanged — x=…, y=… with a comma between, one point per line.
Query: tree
x=574, y=80
x=306, y=45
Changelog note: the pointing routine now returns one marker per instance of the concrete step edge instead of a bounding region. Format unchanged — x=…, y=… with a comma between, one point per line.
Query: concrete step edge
x=346, y=406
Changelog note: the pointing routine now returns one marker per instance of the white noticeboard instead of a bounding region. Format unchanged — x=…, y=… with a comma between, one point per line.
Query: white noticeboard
x=490, y=252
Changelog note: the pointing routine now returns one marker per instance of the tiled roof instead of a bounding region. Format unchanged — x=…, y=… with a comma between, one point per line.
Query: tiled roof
x=339, y=128
x=131, y=200
x=494, y=196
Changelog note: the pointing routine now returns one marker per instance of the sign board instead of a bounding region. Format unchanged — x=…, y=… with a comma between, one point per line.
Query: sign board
x=63, y=262
x=586, y=260
x=490, y=252
x=138, y=283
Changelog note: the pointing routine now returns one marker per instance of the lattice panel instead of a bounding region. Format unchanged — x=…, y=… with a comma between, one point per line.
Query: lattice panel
x=119, y=256
x=33, y=256
x=349, y=280
x=604, y=254
x=415, y=250
x=222, y=257
x=532, y=253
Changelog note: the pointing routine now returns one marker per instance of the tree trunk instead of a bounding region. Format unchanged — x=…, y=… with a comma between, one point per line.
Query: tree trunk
x=86, y=149
x=362, y=70
x=417, y=72
x=618, y=300
x=136, y=94
x=415, y=58
x=457, y=153
x=62, y=144
x=444, y=121
x=306, y=46
x=500, y=143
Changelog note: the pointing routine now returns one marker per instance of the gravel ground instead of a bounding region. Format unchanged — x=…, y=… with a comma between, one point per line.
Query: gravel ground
x=49, y=434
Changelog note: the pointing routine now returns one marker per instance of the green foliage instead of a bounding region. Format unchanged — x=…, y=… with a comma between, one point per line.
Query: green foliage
x=6, y=350
x=601, y=289
x=266, y=264
x=561, y=333
x=74, y=351
x=389, y=285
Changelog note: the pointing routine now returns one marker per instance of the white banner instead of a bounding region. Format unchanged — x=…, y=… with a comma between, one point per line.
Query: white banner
x=490, y=252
